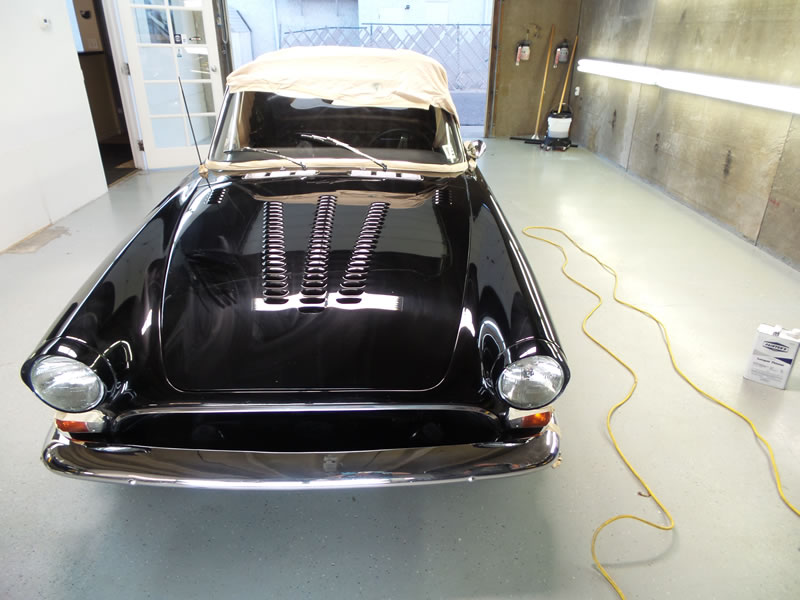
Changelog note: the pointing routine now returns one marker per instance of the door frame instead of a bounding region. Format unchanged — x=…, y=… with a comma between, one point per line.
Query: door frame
x=118, y=55
x=494, y=52
x=122, y=71
x=172, y=152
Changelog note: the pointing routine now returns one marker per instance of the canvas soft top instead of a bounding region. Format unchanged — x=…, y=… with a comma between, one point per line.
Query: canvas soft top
x=350, y=76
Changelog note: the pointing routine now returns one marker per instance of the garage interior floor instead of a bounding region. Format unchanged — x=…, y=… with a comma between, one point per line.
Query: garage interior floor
x=521, y=537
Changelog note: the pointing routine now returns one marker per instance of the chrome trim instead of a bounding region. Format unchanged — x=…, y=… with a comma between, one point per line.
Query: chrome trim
x=238, y=470
x=276, y=174
x=384, y=174
x=206, y=408
x=78, y=351
x=529, y=354
x=474, y=148
x=117, y=449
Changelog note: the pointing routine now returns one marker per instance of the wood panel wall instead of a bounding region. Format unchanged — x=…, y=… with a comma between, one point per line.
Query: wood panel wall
x=517, y=88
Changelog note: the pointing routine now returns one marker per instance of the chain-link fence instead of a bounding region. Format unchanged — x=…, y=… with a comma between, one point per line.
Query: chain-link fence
x=463, y=50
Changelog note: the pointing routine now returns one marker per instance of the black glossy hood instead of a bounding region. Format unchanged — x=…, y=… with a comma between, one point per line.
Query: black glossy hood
x=316, y=285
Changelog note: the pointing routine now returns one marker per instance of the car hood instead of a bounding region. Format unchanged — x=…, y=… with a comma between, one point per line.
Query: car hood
x=319, y=284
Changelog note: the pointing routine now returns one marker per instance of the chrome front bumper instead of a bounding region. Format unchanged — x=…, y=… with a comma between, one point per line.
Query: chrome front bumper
x=239, y=470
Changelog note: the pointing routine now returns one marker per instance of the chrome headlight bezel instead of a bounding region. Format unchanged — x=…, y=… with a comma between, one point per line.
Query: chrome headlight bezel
x=85, y=362
x=542, y=375
x=526, y=351
x=66, y=384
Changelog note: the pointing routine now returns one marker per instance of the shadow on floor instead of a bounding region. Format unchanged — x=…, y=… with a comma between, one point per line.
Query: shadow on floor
x=117, y=158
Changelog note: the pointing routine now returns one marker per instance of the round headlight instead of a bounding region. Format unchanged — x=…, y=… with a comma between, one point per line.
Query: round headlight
x=531, y=382
x=66, y=384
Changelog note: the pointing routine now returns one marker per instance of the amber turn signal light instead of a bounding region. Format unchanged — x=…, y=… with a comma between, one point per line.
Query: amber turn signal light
x=72, y=426
x=93, y=421
x=539, y=419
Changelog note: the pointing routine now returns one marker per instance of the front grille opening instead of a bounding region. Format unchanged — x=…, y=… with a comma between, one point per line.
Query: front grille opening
x=310, y=431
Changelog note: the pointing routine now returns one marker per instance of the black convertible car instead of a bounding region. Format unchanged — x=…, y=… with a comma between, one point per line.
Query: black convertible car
x=334, y=299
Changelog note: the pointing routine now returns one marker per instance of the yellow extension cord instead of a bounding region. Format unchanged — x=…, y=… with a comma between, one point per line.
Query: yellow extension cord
x=613, y=409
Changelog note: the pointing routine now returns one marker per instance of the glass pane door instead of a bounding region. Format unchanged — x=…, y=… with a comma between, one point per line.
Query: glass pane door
x=167, y=39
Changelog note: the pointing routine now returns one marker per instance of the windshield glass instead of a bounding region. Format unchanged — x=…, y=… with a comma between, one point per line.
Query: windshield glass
x=262, y=126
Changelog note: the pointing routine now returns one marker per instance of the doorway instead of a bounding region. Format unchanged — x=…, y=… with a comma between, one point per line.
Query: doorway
x=134, y=54
x=90, y=35
x=457, y=33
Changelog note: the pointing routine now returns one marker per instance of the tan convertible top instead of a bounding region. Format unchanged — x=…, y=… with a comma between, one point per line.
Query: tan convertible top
x=349, y=76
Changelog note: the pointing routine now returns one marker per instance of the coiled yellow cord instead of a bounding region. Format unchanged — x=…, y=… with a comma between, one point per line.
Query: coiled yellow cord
x=613, y=409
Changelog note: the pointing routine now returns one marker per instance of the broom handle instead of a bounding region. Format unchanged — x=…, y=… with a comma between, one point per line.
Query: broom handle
x=544, y=83
x=569, y=70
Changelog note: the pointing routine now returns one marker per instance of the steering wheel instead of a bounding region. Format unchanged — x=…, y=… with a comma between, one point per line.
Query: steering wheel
x=399, y=133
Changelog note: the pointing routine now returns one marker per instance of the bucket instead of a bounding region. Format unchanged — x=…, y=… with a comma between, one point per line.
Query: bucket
x=558, y=125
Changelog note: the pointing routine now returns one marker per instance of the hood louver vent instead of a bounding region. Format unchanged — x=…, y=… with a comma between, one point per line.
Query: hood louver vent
x=314, y=288
x=218, y=195
x=355, y=276
x=274, y=275
x=441, y=196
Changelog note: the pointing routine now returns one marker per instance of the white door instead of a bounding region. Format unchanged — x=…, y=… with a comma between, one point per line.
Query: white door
x=164, y=40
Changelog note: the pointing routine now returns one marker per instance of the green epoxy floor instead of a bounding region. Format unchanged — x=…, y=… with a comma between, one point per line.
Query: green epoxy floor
x=523, y=537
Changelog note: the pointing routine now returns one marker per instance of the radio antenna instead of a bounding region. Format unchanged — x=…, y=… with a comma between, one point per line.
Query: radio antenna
x=202, y=169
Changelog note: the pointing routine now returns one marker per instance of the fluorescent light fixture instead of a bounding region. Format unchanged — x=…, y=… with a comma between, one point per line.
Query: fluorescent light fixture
x=754, y=93
x=635, y=73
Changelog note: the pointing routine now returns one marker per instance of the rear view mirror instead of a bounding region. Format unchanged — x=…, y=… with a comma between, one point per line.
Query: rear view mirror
x=475, y=148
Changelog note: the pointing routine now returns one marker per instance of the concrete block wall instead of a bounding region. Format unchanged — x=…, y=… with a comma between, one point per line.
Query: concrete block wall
x=738, y=164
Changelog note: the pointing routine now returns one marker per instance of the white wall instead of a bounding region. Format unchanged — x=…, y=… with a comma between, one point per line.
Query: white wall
x=51, y=162
x=291, y=15
x=260, y=16
x=425, y=11
x=307, y=14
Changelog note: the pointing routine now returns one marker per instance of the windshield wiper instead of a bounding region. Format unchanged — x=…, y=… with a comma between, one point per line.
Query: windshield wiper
x=268, y=151
x=341, y=144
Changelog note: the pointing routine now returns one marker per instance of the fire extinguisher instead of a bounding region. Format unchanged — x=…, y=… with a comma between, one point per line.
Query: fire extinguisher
x=562, y=53
x=523, y=51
